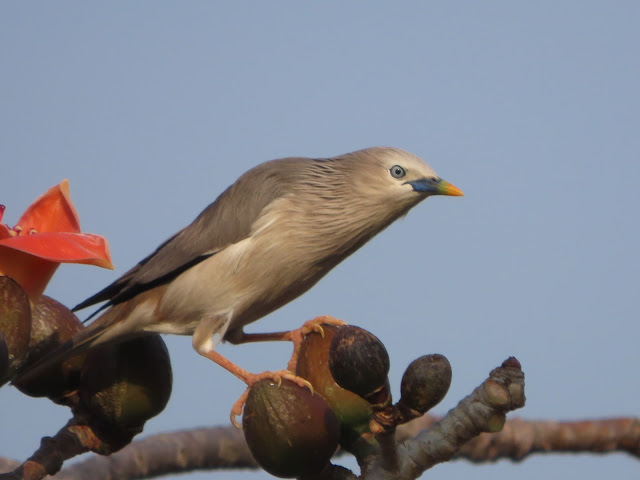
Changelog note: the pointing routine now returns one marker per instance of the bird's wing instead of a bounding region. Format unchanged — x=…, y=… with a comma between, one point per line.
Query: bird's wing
x=224, y=222
x=167, y=262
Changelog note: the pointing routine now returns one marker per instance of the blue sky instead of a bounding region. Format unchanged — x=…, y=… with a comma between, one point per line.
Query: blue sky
x=151, y=109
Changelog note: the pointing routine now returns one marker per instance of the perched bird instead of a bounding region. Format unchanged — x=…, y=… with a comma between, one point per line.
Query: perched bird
x=266, y=240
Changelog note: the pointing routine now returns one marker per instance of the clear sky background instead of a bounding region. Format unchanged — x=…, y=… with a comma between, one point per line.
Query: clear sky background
x=151, y=109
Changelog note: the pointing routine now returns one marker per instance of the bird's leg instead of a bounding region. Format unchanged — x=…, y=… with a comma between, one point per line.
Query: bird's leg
x=296, y=336
x=217, y=326
x=208, y=334
x=250, y=379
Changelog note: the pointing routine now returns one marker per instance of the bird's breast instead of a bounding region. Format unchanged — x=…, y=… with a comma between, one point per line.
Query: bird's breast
x=289, y=250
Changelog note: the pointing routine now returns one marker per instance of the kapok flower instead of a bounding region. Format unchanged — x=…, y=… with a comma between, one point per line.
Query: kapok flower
x=46, y=235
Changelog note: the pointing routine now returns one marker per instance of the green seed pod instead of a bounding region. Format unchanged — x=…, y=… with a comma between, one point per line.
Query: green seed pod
x=52, y=324
x=425, y=383
x=290, y=431
x=124, y=385
x=313, y=365
x=15, y=324
x=358, y=360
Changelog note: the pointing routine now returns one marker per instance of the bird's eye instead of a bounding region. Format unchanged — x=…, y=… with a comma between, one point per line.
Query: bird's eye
x=397, y=171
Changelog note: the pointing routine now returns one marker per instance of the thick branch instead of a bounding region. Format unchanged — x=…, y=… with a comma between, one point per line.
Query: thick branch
x=215, y=448
x=203, y=448
x=520, y=438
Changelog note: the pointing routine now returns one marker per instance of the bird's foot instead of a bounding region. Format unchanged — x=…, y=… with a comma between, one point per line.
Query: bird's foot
x=252, y=378
x=315, y=324
x=310, y=326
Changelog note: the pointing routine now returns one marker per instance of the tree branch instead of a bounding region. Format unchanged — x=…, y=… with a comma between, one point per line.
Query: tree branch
x=165, y=453
x=520, y=438
x=225, y=447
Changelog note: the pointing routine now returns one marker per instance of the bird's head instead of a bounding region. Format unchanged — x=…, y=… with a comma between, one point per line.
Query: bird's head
x=396, y=176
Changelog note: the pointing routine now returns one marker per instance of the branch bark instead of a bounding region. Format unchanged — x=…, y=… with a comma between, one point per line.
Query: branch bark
x=225, y=447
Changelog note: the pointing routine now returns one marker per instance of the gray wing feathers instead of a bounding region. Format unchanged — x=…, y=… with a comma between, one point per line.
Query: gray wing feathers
x=224, y=222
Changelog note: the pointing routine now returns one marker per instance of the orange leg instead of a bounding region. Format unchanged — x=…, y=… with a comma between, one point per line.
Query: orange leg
x=251, y=378
x=296, y=336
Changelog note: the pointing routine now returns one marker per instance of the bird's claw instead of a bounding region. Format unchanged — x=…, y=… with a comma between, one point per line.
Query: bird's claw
x=310, y=326
x=276, y=377
x=315, y=325
x=238, y=406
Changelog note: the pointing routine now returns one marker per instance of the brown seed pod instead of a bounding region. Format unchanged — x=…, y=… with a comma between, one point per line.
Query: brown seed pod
x=4, y=357
x=290, y=431
x=351, y=410
x=358, y=360
x=425, y=383
x=52, y=324
x=15, y=324
x=124, y=385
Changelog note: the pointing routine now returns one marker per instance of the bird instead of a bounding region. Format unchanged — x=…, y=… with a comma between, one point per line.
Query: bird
x=266, y=240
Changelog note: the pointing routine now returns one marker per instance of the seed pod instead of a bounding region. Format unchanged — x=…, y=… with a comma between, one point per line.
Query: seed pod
x=425, y=383
x=52, y=324
x=358, y=360
x=290, y=431
x=15, y=324
x=351, y=410
x=124, y=385
x=4, y=357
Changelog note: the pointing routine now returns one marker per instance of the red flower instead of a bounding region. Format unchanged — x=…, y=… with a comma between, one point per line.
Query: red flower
x=48, y=234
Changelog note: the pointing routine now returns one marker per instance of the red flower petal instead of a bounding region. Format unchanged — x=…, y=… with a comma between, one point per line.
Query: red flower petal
x=52, y=212
x=4, y=231
x=49, y=234
x=62, y=247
